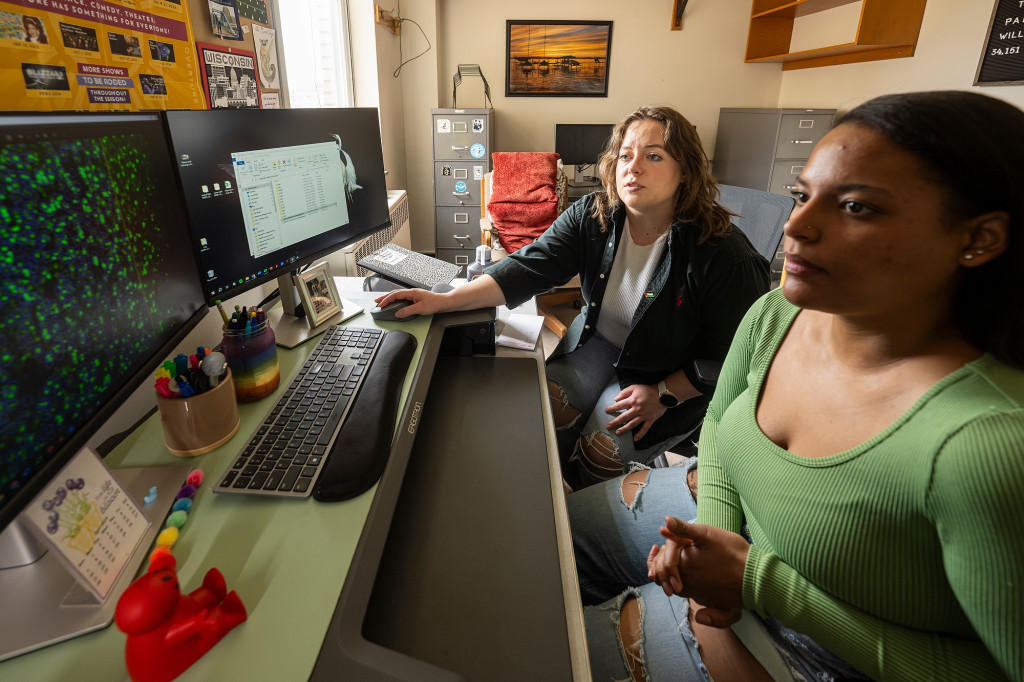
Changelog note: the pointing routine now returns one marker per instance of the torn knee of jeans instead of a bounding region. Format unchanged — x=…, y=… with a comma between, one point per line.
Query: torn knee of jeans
x=632, y=487
x=564, y=414
x=631, y=635
x=599, y=455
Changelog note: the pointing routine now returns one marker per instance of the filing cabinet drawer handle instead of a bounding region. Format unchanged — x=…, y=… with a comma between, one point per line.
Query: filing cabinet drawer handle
x=462, y=260
x=802, y=141
x=460, y=237
x=460, y=149
x=460, y=194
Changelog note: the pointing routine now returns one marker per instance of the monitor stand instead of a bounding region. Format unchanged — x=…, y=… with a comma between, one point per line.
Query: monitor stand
x=580, y=180
x=42, y=602
x=289, y=322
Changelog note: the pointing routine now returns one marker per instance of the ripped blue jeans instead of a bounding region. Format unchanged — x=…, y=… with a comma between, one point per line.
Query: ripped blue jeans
x=611, y=540
x=614, y=526
x=587, y=384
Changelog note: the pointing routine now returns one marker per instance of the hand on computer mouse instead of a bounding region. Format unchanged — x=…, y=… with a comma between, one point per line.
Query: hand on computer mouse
x=425, y=302
x=387, y=312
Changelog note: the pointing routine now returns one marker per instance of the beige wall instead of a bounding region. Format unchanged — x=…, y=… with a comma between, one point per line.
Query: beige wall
x=698, y=70
x=374, y=85
x=948, y=51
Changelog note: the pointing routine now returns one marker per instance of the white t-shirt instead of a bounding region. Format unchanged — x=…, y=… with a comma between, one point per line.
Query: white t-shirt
x=631, y=272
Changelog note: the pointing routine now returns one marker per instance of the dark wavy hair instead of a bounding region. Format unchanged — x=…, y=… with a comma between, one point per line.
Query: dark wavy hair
x=972, y=146
x=697, y=199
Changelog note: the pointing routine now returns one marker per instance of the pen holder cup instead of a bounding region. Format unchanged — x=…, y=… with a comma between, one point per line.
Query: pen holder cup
x=252, y=357
x=194, y=426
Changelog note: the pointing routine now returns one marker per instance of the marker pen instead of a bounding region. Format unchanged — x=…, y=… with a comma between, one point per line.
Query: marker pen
x=223, y=314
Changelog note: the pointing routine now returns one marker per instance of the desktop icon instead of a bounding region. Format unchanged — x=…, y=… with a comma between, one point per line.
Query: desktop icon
x=202, y=241
x=227, y=184
x=216, y=187
x=206, y=189
x=209, y=273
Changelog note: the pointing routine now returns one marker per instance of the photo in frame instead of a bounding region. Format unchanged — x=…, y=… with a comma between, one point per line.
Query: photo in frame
x=318, y=293
x=557, y=58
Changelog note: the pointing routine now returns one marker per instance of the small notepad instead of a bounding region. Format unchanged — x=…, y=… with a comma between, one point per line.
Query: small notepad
x=521, y=331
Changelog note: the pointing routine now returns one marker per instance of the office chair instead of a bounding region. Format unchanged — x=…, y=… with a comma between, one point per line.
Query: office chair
x=761, y=217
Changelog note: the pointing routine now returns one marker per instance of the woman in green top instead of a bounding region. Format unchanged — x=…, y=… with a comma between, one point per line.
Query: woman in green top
x=861, y=488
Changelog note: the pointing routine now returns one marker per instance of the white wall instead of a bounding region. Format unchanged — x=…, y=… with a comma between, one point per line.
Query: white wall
x=952, y=37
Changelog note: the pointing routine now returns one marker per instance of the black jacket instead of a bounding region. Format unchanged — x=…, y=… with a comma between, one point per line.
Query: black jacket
x=699, y=294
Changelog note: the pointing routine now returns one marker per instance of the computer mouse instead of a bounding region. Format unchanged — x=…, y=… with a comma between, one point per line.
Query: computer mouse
x=441, y=288
x=387, y=313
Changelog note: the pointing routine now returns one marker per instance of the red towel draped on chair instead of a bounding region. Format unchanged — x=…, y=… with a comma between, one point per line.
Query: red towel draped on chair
x=523, y=200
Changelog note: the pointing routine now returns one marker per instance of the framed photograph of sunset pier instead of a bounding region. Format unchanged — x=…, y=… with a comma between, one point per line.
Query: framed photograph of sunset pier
x=557, y=58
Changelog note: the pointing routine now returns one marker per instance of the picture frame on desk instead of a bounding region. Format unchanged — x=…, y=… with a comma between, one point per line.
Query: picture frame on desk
x=318, y=293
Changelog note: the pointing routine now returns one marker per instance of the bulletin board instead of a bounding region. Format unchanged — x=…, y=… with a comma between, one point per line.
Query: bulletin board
x=98, y=55
x=236, y=45
x=104, y=55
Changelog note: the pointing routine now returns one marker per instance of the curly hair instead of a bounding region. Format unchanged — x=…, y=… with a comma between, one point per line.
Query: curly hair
x=697, y=199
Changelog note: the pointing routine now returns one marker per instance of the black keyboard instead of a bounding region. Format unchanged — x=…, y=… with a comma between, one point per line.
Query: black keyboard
x=285, y=456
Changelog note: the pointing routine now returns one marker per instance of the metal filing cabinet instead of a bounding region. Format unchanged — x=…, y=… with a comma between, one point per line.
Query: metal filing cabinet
x=463, y=142
x=766, y=149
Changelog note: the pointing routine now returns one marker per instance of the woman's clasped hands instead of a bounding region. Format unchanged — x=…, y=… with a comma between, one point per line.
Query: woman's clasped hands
x=703, y=563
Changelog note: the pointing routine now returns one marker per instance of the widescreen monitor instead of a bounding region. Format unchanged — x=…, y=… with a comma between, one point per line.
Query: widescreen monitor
x=271, y=190
x=97, y=287
x=581, y=145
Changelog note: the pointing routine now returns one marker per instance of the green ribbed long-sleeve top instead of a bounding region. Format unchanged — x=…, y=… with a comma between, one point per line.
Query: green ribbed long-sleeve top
x=904, y=555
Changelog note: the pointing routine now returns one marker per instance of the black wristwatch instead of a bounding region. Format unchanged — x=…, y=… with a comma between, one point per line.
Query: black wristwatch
x=667, y=397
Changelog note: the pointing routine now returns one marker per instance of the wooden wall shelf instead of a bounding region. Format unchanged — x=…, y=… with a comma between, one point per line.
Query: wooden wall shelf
x=887, y=29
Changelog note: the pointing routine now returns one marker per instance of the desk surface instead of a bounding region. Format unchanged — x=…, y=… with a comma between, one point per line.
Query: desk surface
x=287, y=559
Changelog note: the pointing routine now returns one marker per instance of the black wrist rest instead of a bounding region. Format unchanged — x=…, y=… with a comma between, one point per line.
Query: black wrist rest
x=361, y=449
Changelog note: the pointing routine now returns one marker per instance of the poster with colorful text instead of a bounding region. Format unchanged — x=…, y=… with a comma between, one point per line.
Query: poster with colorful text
x=96, y=55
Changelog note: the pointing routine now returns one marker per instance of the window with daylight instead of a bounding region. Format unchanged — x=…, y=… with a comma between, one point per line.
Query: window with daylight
x=317, y=58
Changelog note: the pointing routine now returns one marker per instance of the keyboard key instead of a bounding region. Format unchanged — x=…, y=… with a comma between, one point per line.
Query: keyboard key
x=290, y=476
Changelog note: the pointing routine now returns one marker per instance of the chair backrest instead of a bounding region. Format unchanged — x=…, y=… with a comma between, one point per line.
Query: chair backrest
x=760, y=215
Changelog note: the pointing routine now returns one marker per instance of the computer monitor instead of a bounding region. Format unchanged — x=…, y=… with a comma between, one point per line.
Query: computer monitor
x=97, y=287
x=581, y=145
x=271, y=190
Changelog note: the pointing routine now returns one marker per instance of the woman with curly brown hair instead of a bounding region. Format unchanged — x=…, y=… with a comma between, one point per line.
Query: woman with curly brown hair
x=665, y=280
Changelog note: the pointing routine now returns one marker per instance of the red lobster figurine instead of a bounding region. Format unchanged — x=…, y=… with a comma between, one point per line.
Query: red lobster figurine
x=168, y=631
